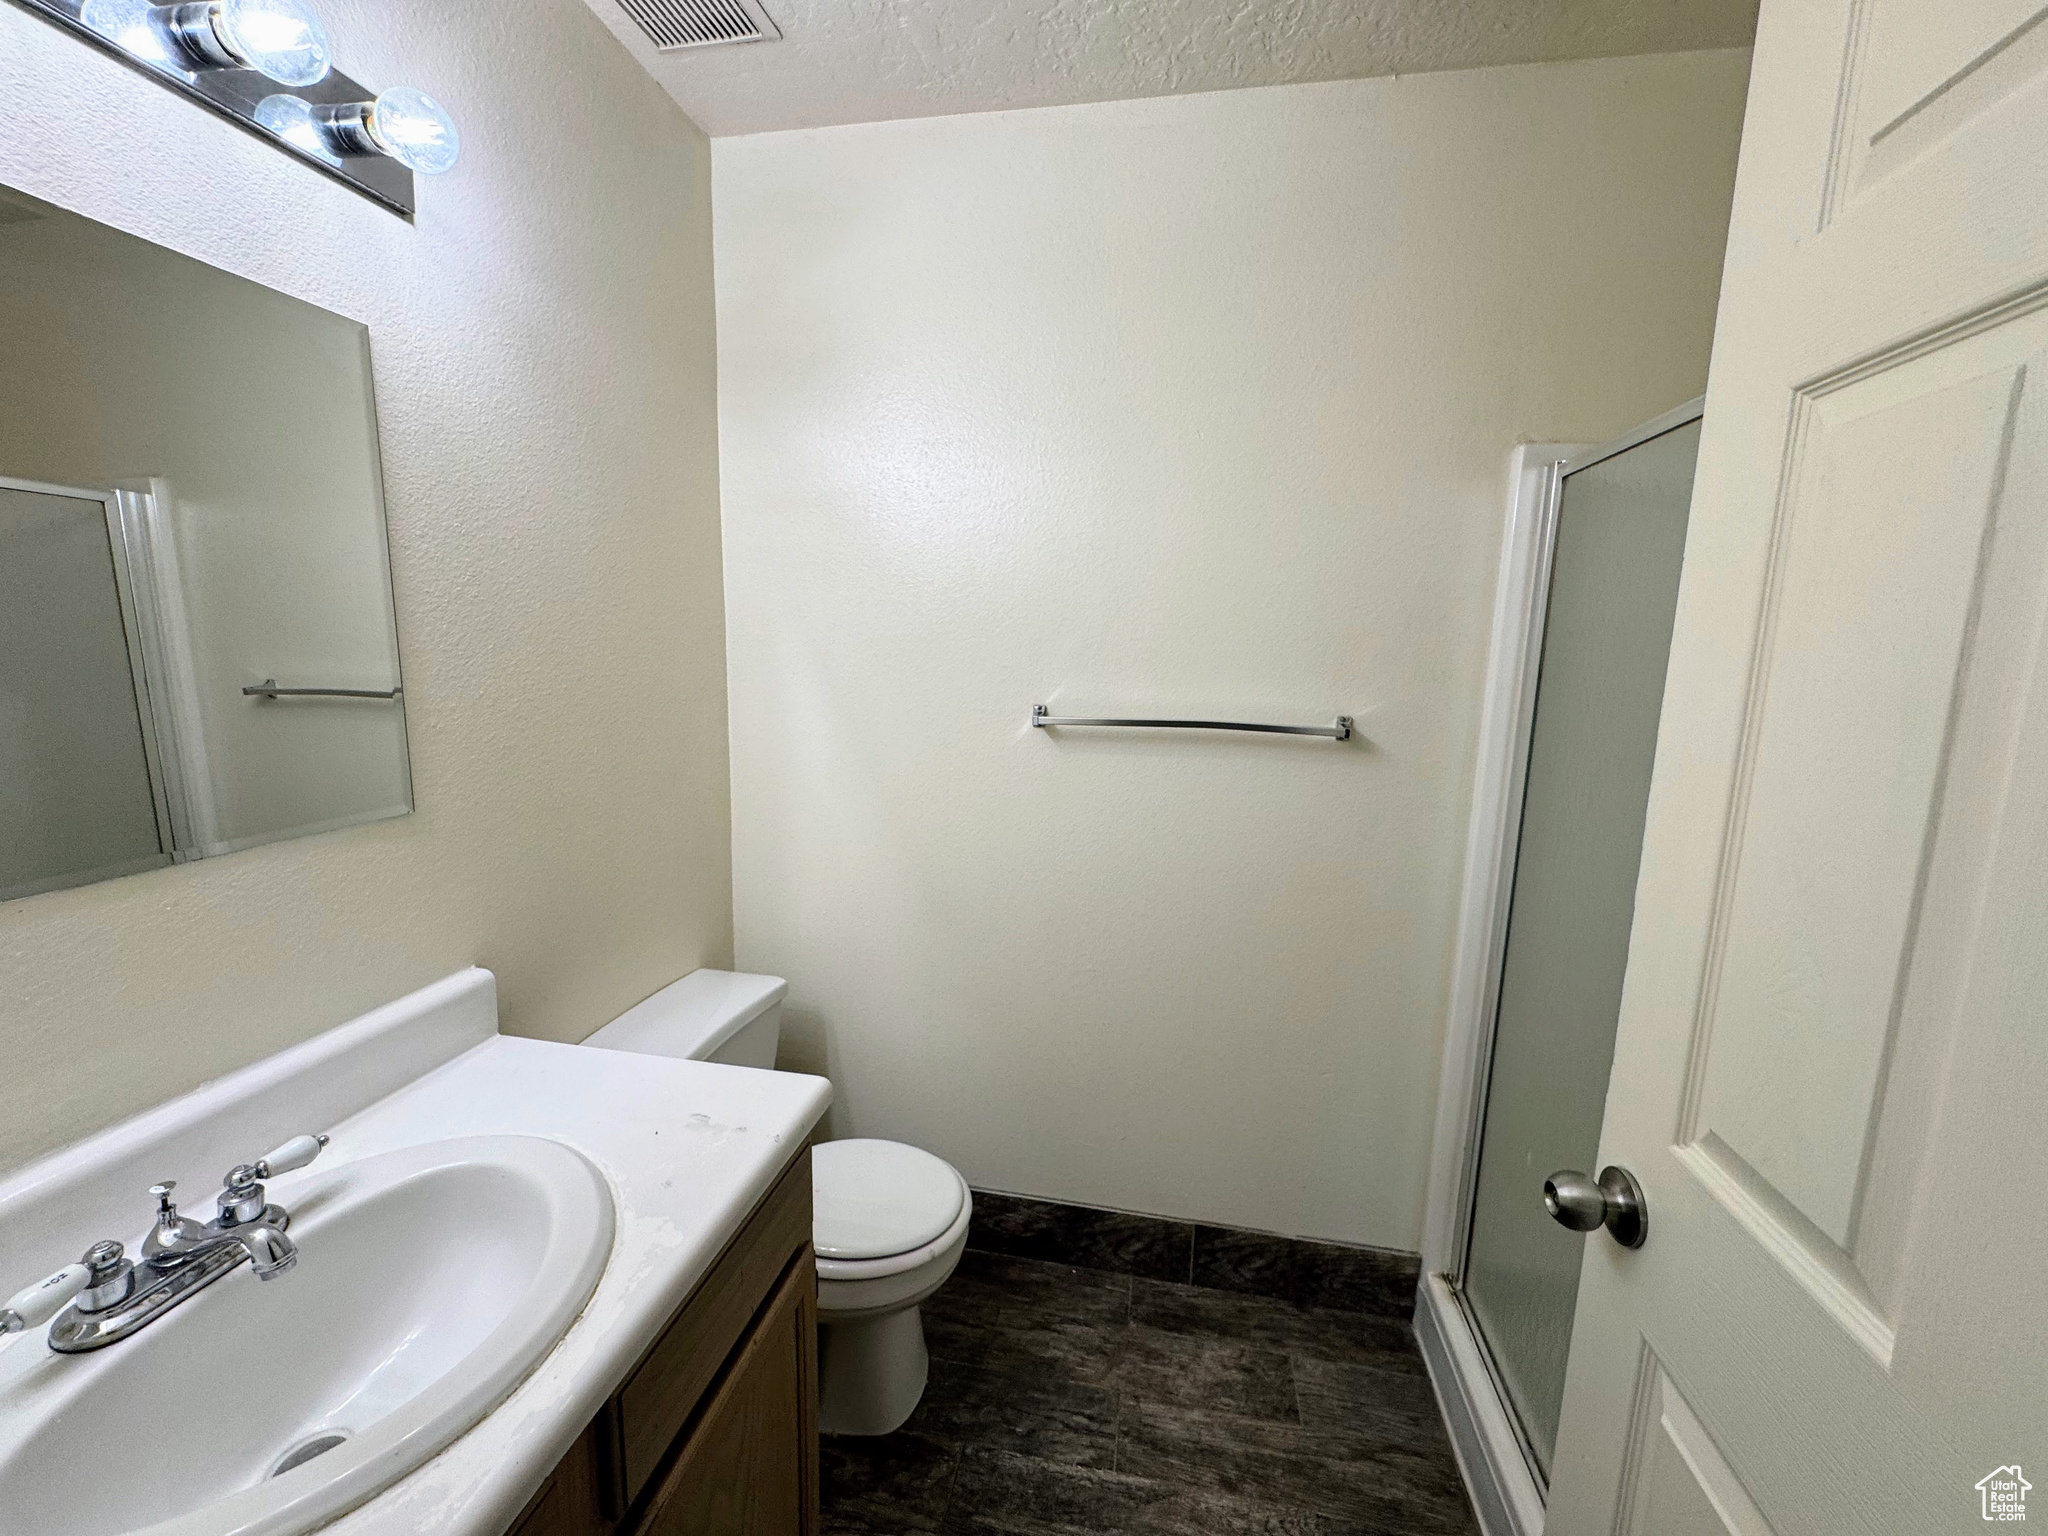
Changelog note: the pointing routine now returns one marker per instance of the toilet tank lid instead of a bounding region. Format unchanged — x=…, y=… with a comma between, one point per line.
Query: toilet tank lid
x=693, y=1017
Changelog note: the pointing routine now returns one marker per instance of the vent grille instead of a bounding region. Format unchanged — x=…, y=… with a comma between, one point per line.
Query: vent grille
x=675, y=24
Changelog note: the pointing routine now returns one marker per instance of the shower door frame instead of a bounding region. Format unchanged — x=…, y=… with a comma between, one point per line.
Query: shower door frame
x=144, y=668
x=1507, y=1489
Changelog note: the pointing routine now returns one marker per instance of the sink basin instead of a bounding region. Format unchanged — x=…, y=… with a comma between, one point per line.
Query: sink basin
x=430, y=1281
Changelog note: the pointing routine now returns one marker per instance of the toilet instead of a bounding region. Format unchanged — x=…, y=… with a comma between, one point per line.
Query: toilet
x=889, y=1221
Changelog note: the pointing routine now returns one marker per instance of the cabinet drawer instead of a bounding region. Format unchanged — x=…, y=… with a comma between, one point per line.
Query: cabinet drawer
x=669, y=1382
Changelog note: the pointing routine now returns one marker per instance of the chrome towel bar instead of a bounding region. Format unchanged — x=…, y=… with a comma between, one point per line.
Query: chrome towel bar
x=1341, y=731
x=268, y=689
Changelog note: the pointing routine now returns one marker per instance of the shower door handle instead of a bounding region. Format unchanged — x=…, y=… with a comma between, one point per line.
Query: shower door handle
x=1615, y=1202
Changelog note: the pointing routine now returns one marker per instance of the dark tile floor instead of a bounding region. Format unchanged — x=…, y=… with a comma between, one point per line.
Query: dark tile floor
x=1071, y=1402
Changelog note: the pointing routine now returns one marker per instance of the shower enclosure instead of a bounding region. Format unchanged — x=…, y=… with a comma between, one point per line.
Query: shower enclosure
x=1589, y=586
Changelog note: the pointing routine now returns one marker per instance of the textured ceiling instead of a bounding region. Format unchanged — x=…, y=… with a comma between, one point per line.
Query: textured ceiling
x=857, y=61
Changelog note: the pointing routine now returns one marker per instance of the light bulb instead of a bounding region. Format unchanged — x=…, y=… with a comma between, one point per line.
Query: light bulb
x=406, y=125
x=411, y=128
x=291, y=119
x=278, y=38
x=129, y=25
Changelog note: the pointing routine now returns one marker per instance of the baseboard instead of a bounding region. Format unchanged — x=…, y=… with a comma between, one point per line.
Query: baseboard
x=1338, y=1276
x=1503, y=1489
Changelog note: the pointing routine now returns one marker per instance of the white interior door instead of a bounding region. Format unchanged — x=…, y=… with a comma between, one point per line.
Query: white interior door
x=1831, y=1075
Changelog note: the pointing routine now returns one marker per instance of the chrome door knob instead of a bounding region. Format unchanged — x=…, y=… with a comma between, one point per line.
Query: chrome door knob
x=1614, y=1202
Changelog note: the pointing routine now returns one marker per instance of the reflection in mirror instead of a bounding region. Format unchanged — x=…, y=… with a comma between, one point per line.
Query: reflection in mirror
x=190, y=509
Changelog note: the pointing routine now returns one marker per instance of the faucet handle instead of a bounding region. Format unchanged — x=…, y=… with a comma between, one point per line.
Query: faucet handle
x=42, y=1301
x=296, y=1153
x=103, y=1259
x=113, y=1276
x=241, y=1199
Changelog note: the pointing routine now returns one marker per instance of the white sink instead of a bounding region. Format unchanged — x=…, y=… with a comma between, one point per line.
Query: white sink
x=430, y=1281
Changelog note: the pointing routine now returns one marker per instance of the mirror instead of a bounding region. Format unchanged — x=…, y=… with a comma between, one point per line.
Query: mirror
x=197, y=649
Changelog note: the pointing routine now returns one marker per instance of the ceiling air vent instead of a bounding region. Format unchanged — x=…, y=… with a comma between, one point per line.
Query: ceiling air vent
x=677, y=24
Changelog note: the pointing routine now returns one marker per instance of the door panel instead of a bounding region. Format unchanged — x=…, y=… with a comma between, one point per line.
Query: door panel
x=1828, y=1074
x=1921, y=73
x=1879, y=599
x=1677, y=1482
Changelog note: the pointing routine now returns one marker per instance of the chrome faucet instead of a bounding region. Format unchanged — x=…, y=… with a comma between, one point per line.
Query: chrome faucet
x=244, y=1219
x=107, y=1296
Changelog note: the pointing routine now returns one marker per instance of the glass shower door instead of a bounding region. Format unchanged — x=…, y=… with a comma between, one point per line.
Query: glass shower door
x=1620, y=538
x=77, y=799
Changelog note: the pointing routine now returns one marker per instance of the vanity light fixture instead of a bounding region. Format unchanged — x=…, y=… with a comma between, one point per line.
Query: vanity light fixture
x=277, y=38
x=268, y=65
x=405, y=124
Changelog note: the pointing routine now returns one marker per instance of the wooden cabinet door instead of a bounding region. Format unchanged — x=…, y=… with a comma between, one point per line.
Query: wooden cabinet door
x=568, y=1503
x=668, y=1386
x=749, y=1466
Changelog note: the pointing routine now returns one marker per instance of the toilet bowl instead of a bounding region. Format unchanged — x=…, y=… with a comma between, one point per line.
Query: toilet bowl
x=889, y=1224
x=889, y=1221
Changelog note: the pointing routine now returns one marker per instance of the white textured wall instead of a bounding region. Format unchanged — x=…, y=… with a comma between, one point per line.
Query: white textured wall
x=1192, y=404
x=543, y=352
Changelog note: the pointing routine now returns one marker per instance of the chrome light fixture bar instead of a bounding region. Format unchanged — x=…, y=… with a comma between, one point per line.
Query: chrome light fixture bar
x=266, y=65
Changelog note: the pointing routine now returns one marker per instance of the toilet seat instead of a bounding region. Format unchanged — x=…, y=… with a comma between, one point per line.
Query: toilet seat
x=875, y=1201
x=946, y=1246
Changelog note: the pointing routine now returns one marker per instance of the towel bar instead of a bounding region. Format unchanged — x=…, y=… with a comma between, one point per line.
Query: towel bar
x=1341, y=731
x=268, y=689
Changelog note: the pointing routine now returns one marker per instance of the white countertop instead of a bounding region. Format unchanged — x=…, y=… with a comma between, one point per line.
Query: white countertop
x=688, y=1149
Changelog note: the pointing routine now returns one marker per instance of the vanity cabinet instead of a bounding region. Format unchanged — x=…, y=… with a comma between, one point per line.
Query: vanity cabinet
x=743, y=1469
x=715, y=1432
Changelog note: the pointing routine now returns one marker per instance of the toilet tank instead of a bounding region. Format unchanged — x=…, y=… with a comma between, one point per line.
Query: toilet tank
x=724, y=1016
